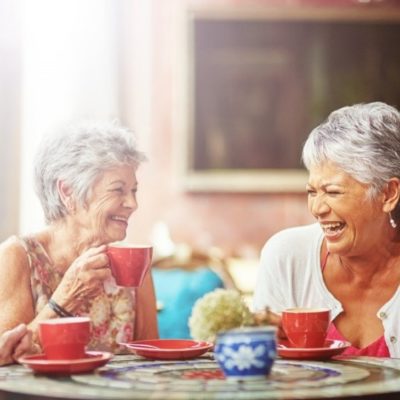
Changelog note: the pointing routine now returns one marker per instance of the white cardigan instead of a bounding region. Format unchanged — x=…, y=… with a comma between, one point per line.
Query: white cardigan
x=290, y=276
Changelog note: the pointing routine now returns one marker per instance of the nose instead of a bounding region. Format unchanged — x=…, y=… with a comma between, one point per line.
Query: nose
x=318, y=205
x=130, y=201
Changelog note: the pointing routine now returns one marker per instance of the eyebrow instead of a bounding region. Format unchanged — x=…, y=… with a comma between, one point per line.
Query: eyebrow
x=117, y=181
x=325, y=185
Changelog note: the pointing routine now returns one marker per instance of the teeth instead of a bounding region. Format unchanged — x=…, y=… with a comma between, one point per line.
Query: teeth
x=117, y=218
x=333, y=226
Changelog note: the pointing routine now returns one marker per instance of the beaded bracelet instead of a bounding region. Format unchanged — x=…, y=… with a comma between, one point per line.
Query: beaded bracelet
x=61, y=312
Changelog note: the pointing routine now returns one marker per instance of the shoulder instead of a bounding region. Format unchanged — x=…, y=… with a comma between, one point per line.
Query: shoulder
x=294, y=238
x=13, y=256
x=293, y=246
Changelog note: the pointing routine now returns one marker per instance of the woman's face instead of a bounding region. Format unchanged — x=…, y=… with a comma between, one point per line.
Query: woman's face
x=351, y=222
x=110, y=203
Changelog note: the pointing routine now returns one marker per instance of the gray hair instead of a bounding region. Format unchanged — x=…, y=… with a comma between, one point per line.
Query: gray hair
x=77, y=155
x=363, y=140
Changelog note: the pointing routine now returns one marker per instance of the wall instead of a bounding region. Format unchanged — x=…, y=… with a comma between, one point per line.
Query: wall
x=238, y=223
x=10, y=100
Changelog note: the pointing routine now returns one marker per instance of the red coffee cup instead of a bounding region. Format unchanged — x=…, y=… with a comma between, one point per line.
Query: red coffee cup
x=306, y=327
x=65, y=338
x=129, y=263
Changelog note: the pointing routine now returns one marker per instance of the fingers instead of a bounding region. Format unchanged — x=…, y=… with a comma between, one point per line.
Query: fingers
x=92, y=251
x=8, y=341
x=93, y=263
x=274, y=319
x=24, y=346
x=267, y=317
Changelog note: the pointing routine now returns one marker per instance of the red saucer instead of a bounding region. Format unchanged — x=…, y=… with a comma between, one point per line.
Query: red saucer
x=331, y=348
x=169, y=349
x=39, y=363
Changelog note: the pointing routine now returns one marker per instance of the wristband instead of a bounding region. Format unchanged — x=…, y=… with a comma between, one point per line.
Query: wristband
x=61, y=312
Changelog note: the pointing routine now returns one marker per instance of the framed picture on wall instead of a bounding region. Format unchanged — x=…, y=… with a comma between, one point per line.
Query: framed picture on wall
x=258, y=82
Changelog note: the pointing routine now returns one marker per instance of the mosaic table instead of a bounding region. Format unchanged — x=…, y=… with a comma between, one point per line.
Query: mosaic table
x=131, y=377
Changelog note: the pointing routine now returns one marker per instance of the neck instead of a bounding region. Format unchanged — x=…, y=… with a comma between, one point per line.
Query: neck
x=365, y=268
x=64, y=242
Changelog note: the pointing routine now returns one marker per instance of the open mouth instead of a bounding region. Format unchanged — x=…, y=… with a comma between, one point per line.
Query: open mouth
x=333, y=228
x=120, y=219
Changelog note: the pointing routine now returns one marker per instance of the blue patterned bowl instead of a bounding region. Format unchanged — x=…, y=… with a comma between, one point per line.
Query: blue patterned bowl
x=246, y=353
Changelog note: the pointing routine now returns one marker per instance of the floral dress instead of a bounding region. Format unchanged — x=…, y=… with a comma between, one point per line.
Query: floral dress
x=112, y=313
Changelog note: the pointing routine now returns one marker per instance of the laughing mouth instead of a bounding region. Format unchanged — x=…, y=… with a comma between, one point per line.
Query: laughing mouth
x=333, y=228
x=119, y=219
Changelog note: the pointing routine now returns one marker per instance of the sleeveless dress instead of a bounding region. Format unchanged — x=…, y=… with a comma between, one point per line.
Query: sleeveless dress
x=378, y=348
x=112, y=313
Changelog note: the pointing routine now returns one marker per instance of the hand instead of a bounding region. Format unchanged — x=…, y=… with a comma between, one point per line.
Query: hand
x=267, y=317
x=14, y=343
x=83, y=279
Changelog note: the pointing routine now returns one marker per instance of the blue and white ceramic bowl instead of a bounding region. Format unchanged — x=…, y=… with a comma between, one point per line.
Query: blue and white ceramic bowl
x=246, y=353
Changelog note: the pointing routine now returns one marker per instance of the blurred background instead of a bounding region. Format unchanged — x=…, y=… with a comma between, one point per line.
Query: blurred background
x=221, y=94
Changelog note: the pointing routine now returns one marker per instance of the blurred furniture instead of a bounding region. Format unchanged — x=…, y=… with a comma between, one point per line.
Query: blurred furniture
x=180, y=280
x=243, y=271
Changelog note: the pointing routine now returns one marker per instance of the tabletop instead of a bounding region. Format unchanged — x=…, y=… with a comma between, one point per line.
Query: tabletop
x=133, y=377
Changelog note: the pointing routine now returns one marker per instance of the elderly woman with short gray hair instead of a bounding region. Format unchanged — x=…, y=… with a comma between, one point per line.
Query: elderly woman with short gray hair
x=85, y=177
x=349, y=261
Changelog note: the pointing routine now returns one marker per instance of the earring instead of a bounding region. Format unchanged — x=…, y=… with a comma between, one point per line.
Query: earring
x=392, y=222
x=70, y=206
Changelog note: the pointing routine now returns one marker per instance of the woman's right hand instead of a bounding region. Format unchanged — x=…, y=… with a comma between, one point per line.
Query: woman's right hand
x=83, y=279
x=267, y=317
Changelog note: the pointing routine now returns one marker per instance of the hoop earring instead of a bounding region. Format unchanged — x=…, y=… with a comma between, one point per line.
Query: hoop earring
x=392, y=222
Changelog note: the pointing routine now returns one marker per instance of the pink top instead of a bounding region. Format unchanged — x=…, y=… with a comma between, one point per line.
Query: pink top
x=378, y=348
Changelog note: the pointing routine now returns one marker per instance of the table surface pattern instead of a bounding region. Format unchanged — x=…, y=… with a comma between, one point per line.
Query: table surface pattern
x=132, y=377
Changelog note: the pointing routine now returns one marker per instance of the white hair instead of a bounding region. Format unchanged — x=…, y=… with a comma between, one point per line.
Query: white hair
x=363, y=140
x=77, y=155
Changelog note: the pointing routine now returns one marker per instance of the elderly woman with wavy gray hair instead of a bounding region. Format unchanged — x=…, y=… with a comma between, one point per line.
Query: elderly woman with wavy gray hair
x=85, y=178
x=349, y=261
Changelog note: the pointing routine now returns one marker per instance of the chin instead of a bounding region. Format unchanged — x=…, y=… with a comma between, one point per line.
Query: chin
x=116, y=236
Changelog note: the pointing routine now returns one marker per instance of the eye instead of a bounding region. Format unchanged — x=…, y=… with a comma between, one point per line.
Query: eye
x=311, y=192
x=118, y=190
x=333, y=192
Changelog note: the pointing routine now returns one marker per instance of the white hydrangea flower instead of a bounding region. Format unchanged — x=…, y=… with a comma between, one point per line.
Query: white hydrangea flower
x=217, y=311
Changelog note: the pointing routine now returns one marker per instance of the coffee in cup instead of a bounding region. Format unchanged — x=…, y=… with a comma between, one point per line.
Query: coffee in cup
x=129, y=263
x=64, y=338
x=306, y=327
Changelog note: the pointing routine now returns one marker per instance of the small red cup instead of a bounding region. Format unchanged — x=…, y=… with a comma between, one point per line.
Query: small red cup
x=129, y=263
x=306, y=327
x=65, y=338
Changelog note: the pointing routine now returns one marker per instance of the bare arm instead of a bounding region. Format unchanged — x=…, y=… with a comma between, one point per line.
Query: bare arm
x=15, y=288
x=146, y=313
x=81, y=281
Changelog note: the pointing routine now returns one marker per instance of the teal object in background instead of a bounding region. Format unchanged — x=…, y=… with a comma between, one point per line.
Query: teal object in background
x=177, y=290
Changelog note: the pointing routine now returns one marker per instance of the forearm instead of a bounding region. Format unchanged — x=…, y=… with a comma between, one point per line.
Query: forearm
x=146, y=313
x=45, y=313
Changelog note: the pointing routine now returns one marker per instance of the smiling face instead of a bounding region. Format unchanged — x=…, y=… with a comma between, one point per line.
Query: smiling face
x=352, y=223
x=109, y=205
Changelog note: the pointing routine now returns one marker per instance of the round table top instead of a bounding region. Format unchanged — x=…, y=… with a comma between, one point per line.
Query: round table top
x=133, y=377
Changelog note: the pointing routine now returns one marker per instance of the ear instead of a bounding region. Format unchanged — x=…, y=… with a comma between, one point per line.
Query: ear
x=391, y=195
x=66, y=195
